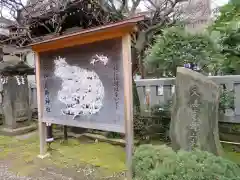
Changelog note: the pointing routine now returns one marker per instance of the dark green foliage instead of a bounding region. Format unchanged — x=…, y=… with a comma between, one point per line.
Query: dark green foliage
x=227, y=26
x=163, y=113
x=228, y=13
x=114, y=135
x=230, y=42
x=154, y=126
x=136, y=101
x=140, y=126
x=162, y=163
x=175, y=47
x=226, y=100
x=230, y=128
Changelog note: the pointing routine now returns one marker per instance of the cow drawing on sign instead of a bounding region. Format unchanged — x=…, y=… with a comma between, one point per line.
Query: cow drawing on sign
x=81, y=90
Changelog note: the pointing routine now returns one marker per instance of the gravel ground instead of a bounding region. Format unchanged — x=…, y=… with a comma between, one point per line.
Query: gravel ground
x=42, y=174
x=50, y=173
x=5, y=174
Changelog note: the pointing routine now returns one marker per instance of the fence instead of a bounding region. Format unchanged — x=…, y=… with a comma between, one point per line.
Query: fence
x=160, y=91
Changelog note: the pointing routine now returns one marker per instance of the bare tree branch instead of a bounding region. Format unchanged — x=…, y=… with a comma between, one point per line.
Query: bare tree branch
x=134, y=7
x=52, y=15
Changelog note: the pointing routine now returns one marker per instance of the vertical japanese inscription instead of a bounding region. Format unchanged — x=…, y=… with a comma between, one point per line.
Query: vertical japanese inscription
x=116, y=85
x=194, y=104
x=46, y=93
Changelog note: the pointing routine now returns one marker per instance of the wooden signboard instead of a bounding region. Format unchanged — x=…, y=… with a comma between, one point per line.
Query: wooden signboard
x=85, y=80
x=83, y=86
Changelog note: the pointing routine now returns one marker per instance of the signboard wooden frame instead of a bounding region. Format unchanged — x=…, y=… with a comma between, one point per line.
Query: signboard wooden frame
x=115, y=30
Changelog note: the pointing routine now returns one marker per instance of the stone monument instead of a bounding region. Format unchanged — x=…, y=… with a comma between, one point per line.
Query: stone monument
x=194, y=121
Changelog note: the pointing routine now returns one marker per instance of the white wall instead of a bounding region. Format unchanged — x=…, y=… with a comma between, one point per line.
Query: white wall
x=31, y=62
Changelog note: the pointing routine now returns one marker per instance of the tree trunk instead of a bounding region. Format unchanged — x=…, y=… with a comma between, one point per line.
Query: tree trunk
x=136, y=101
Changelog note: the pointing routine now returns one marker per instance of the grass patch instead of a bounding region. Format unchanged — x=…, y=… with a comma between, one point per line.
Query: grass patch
x=230, y=154
x=23, y=154
x=6, y=145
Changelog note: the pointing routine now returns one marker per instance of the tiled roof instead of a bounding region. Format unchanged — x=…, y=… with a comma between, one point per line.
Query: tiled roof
x=6, y=21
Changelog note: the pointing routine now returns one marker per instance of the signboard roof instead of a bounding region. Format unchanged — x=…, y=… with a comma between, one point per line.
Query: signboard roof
x=85, y=36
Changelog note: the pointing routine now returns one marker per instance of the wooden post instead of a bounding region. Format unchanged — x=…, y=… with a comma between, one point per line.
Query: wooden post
x=128, y=100
x=65, y=133
x=41, y=125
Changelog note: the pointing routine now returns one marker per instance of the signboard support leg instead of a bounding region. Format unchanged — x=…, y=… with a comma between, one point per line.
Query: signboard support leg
x=41, y=125
x=42, y=135
x=128, y=104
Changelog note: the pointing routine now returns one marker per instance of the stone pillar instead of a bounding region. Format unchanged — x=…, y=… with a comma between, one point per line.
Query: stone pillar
x=1, y=53
x=1, y=101
x=194, y=121
x=16, y=106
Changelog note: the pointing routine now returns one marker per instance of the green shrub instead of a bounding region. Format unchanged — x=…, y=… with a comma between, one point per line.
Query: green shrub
x=176, y=47
x=114, y=135
x=163, y=114
x=162, y=163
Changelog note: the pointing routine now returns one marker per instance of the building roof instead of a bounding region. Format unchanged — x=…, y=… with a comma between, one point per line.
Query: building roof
x=15, y=68
x=6, y=22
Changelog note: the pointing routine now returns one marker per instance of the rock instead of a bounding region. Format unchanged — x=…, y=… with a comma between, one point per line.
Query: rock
x=194, y=121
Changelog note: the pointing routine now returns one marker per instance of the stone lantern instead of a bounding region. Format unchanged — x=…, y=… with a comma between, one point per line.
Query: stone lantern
x=15, y=95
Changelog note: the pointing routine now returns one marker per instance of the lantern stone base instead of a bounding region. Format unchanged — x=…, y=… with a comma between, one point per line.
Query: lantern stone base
x=18, y=131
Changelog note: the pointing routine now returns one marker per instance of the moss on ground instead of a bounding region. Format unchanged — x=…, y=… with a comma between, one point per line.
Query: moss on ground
x=231, y=154
x=98, y=154
x=6, y=145
x=77, y=152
